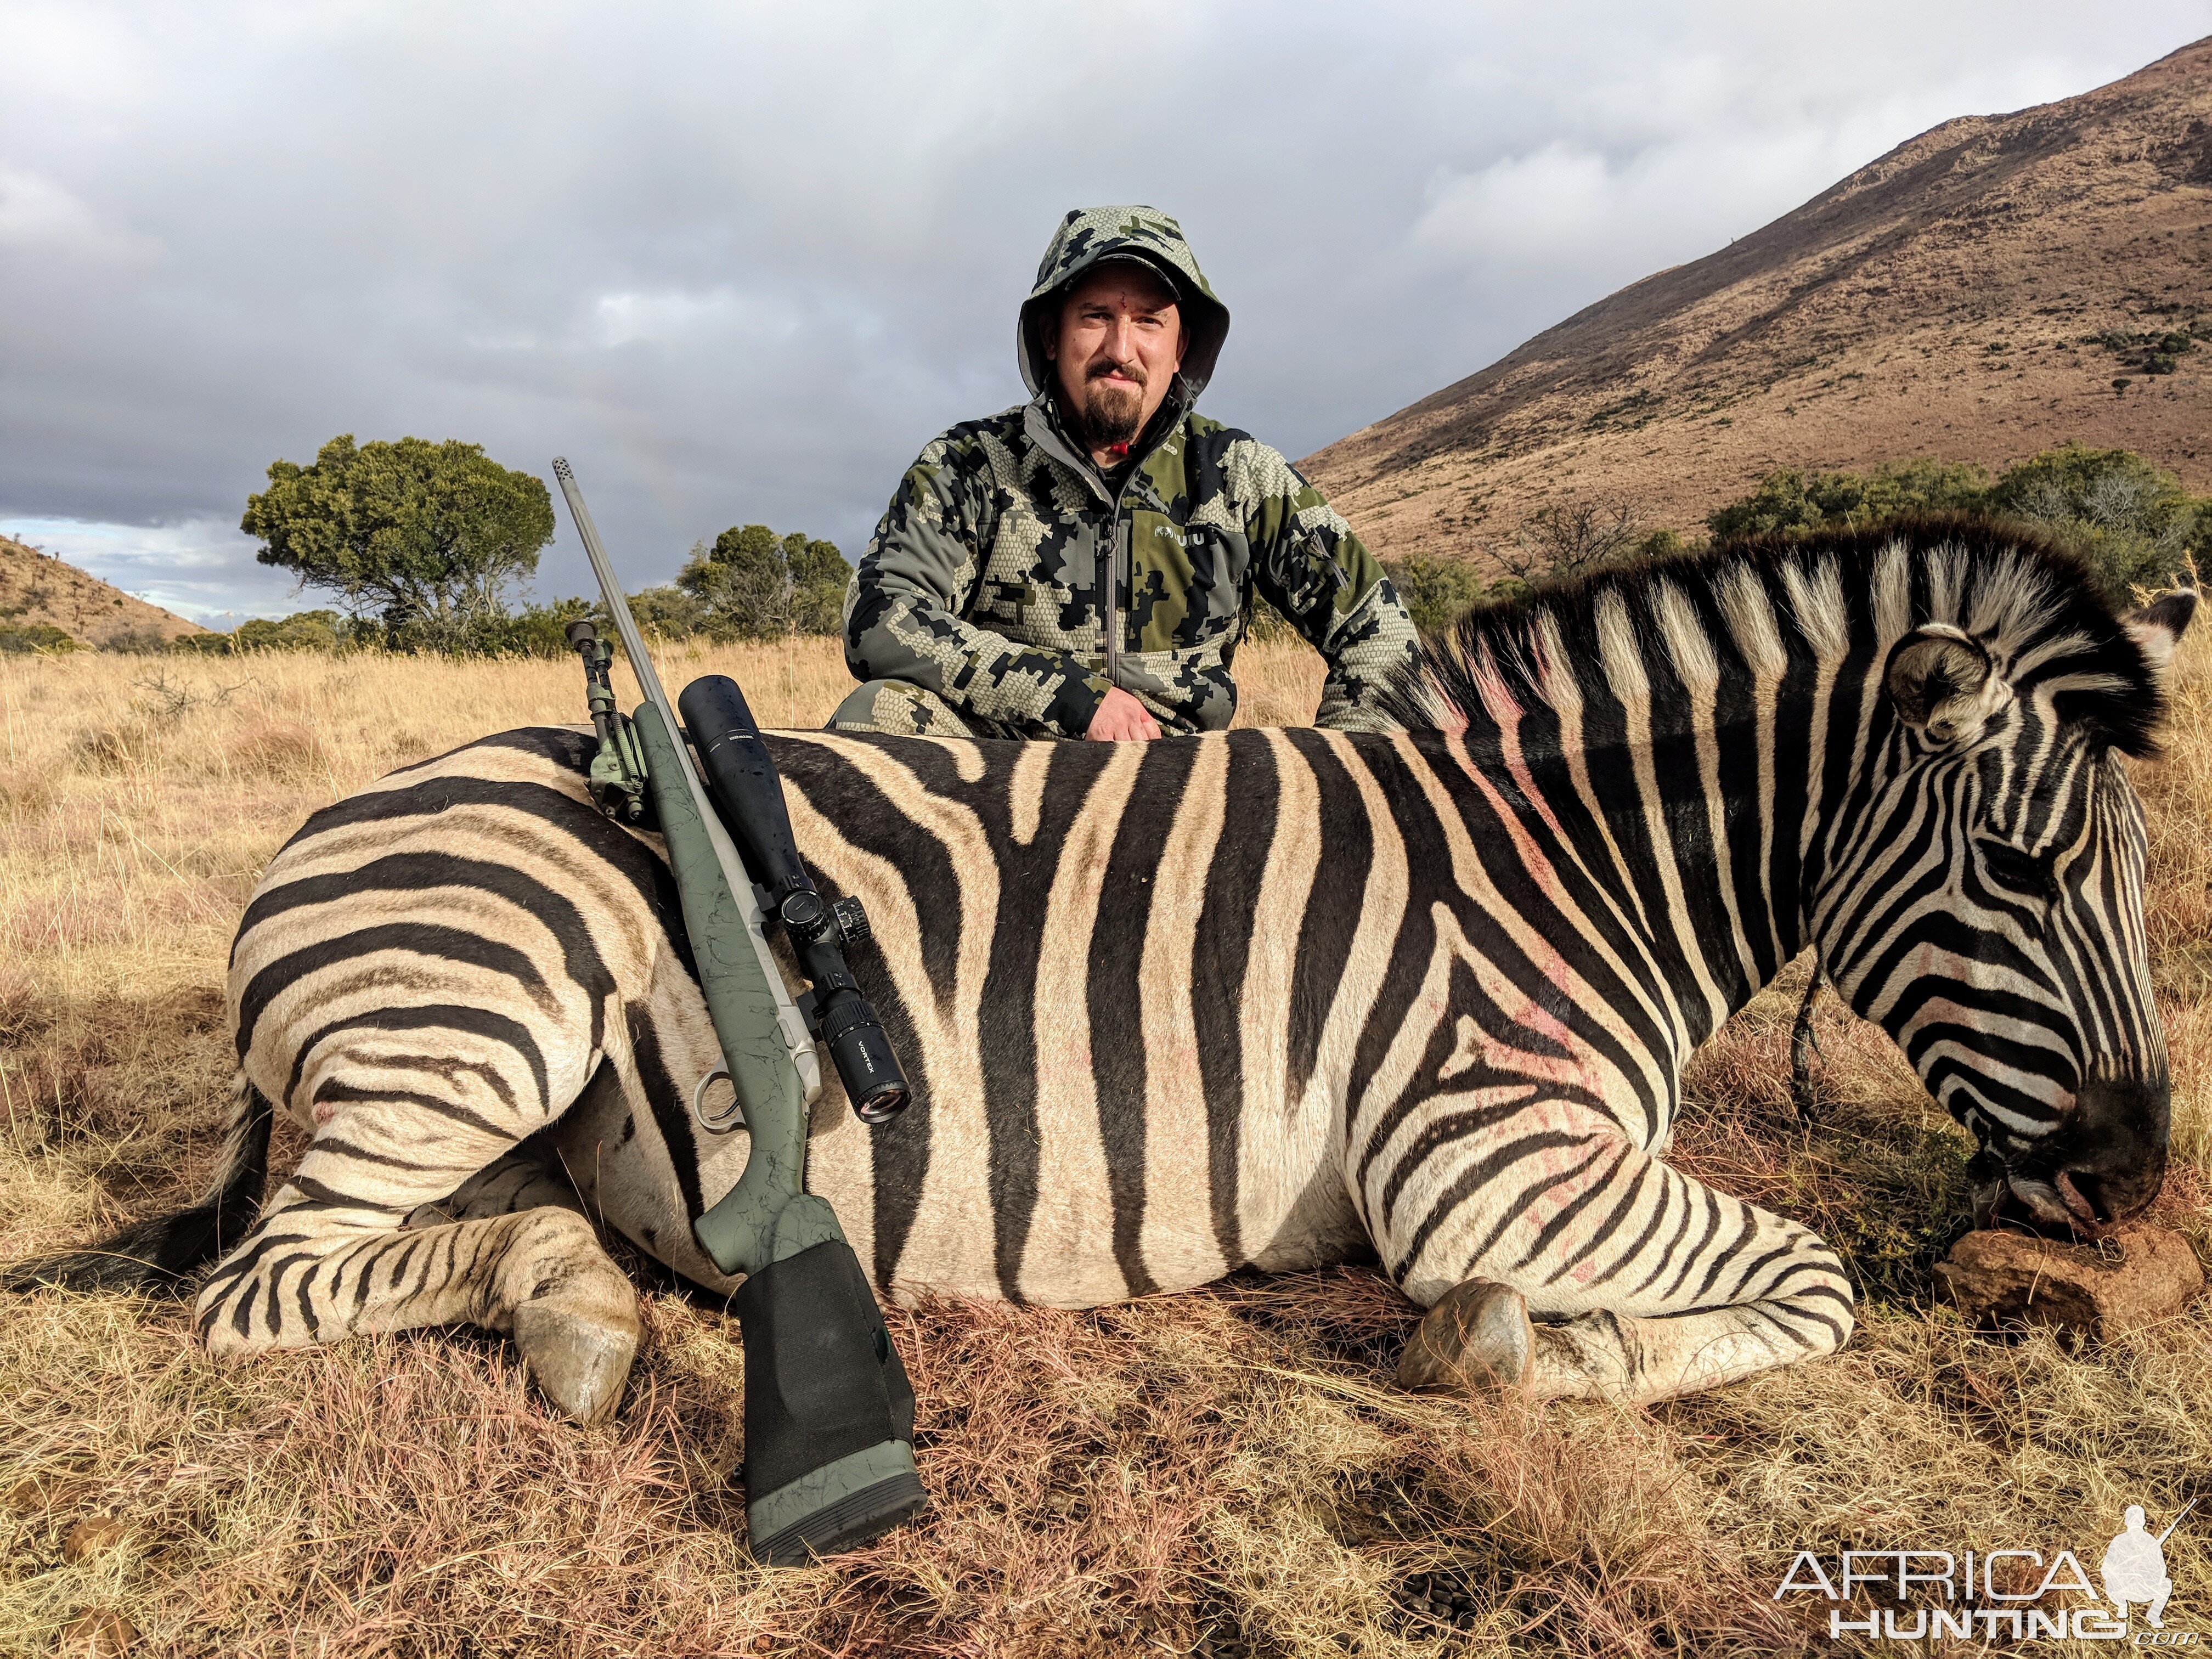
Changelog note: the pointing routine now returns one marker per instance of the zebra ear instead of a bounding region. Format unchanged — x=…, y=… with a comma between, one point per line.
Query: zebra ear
x=1943, y=682
x=2157, y=626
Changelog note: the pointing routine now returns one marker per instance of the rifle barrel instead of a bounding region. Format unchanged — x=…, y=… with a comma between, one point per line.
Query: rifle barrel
x=617, y=605
x=789, y=1025
x=2175, y=1522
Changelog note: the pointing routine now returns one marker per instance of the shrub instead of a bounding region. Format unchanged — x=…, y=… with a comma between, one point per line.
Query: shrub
x=1793, y=500
x=1436, y=591
x=147, y=642
x=304, y=630
x=2132, y=524
x=536, y=630
x=667, y=612
x=23, y=638
x=1569, y=538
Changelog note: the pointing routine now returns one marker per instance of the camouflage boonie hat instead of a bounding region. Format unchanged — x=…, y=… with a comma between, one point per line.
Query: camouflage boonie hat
x=1091, y=236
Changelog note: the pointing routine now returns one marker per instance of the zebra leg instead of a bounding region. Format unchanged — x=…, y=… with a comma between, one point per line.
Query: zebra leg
x=355, y=1243
x=524, y=1179
x=1660, y=1285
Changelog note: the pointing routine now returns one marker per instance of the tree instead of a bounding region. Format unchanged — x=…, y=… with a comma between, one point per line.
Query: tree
x=428, y=537
x=818, y=576
x=1564, y=540
x=756, y=584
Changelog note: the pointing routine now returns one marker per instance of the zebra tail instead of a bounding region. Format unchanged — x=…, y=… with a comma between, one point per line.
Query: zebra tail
x=161, y=1254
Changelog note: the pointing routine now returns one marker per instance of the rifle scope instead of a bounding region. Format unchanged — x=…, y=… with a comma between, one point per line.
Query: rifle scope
x=747, y=788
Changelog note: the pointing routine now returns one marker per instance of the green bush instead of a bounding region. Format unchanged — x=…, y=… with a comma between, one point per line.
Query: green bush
x=2132, y=524
x=666, y=612
x=303, y=630
x=24, y=638
x=1661, y=544
x=1436, y=591
x=536, y=630
x=145, y=641
x=1792, y=499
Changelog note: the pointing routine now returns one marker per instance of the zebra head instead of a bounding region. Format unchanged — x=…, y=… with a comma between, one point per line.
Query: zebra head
x=1982, y=901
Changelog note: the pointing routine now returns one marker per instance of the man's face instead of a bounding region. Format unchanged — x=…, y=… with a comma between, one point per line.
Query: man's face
x=1117, y=348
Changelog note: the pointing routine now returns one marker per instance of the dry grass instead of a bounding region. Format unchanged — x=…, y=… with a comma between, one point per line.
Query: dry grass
x=1227, y=1472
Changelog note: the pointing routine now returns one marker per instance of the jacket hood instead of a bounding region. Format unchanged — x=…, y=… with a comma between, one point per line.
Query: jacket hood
x=1091, y=236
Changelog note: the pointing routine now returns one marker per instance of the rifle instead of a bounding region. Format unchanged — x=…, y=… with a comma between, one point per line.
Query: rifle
x=829, y=1410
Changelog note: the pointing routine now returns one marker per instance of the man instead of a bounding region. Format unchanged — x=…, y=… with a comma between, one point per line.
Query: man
x=2135, y=1569
x=1081, y=566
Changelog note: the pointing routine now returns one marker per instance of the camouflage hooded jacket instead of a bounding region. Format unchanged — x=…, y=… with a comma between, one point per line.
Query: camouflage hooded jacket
x=1014, y=580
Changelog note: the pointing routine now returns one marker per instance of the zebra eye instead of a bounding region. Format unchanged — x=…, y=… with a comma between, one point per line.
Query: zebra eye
x=2022, y=871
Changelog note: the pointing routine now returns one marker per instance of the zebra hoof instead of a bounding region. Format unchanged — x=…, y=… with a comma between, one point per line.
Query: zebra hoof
x=1478, y=1340
x=580, y=1356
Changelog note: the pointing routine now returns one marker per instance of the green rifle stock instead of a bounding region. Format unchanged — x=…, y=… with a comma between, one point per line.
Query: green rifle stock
x=829, y=1410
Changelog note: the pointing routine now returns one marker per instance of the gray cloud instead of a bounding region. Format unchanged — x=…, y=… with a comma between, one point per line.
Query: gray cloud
x=738, y=263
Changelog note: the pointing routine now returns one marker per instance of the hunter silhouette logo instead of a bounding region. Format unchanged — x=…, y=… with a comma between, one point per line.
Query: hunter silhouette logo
x=2135, y=1567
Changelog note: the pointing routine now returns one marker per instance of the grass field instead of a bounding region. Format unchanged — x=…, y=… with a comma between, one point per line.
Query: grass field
x=1228, y=1472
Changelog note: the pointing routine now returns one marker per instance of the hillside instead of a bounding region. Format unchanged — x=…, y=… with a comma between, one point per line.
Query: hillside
x=1974, y=295
x=35, y=587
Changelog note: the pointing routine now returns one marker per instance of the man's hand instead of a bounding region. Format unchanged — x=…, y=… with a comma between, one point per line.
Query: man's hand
x=1120, y=715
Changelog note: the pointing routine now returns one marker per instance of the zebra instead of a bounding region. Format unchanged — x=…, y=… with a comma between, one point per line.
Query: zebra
x=1270, y=997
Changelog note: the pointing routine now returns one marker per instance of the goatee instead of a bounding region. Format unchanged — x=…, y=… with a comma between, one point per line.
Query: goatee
x=1111, y=414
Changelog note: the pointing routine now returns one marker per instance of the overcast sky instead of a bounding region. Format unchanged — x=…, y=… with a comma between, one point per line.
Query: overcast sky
x=739, y=263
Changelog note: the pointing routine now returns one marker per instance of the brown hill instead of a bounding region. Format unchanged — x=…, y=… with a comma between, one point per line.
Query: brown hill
x=1975, y=295
x=37, y=587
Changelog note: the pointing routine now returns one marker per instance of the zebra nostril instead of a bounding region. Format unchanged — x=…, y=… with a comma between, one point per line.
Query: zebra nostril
x=2084, y=1196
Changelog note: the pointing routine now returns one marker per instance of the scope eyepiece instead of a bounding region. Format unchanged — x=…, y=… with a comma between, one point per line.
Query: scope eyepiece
x=870, y=1071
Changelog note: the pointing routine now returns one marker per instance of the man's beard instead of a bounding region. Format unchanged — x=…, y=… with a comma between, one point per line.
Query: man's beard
x=1111, y=414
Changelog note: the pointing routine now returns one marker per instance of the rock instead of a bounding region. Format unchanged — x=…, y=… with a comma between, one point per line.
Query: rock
x=2135, y=1276
x=102, y=1633
x=89, y=1536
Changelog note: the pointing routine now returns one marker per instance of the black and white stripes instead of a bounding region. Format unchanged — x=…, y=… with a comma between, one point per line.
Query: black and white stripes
x=1278, y=996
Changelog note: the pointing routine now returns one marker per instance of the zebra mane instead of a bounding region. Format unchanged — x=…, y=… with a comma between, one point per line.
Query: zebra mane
x=2035, y=605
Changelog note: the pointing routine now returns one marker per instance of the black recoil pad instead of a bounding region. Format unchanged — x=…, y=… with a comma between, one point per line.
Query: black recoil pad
x=822, y=1382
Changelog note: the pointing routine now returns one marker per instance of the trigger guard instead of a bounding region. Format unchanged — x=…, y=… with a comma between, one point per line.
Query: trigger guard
x=723, y=1122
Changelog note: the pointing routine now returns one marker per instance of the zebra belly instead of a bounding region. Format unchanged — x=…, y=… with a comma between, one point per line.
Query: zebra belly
x=947, y=1239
